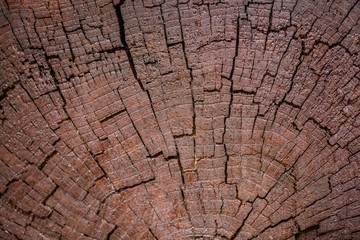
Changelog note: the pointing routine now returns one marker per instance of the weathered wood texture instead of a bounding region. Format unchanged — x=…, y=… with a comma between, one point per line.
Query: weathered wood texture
x=200, y=119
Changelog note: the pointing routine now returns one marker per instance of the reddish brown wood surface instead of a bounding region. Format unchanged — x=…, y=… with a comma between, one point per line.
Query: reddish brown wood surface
x=197, y=119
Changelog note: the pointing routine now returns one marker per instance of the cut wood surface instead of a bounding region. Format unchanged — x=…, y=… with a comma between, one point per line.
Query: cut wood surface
x=179, y=119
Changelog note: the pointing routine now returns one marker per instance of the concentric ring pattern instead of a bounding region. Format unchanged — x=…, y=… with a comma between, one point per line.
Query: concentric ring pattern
x=180, y=119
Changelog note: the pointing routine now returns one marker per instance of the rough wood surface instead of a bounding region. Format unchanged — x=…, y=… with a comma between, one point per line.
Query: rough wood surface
x=197, y=119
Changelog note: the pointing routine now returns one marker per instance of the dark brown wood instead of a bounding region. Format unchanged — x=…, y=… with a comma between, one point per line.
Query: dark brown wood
x=154, y=119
